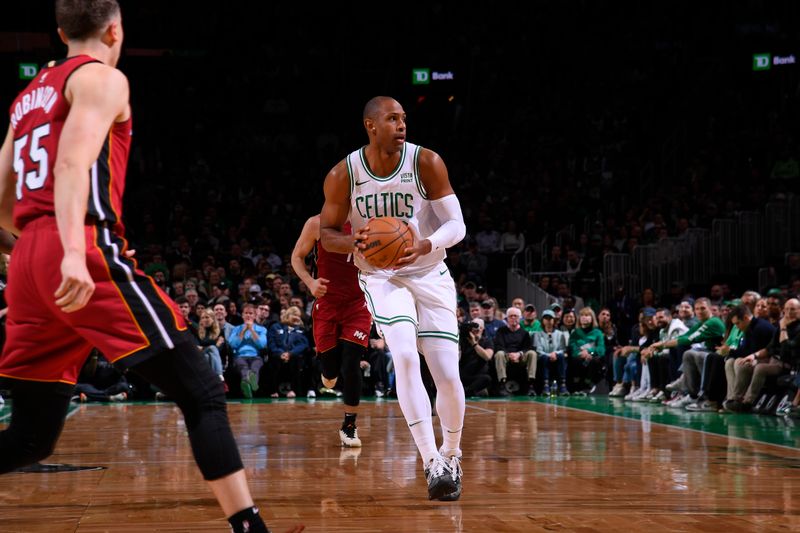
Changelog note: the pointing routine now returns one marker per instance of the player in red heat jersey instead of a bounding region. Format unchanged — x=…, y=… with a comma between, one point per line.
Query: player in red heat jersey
x=71, y=284
x=341, y=321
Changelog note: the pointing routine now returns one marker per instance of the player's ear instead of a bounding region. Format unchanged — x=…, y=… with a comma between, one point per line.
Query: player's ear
x=63, y=36
x=112, y=33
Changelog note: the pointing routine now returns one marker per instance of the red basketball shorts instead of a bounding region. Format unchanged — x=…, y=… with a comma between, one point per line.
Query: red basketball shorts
x=346, y=320
x=128, y=318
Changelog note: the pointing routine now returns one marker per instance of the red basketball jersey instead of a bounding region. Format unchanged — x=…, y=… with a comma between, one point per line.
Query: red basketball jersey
x=37, y=117
x=340, y=270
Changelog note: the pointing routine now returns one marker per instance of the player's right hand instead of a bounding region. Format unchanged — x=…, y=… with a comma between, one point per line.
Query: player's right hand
x=358, y=239
x=76, y=286
x=318, y=287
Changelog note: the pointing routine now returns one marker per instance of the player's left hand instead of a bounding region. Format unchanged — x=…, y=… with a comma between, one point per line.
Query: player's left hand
x=412, y=253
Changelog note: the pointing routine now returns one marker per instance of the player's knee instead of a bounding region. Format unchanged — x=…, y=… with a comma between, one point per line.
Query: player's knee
x=210, y=399
x=331, y=363
x=351, y=357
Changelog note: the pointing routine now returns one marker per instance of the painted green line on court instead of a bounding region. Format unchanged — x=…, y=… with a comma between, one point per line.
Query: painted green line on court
x=757, y=428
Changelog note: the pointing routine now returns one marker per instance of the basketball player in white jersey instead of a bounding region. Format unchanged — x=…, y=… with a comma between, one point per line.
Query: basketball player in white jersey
x=414, y=304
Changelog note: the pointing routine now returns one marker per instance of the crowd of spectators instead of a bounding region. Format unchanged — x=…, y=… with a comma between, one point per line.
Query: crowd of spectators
x=642, y=142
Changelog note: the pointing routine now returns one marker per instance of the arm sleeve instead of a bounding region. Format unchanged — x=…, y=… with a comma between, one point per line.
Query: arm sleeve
x=261, y=341
x=600, y=345
x=539, y=343
x=273, y=343
x=300, y=345
x=499, y=341
x=452, y=230
x=527, y=342
x=233, y=338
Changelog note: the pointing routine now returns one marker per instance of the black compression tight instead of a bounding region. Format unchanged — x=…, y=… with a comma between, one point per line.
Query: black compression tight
x=37, y=418
x=185, y=377
x=345, y=359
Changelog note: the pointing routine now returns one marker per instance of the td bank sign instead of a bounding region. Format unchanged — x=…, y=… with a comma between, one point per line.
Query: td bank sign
x=424, y=76
x=767, y=61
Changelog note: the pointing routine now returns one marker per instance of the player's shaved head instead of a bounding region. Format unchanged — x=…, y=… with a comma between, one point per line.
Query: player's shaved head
x=374, y=105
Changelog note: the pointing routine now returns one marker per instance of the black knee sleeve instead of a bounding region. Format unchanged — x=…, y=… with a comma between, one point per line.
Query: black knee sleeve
x=331, y=362
x=351, y=373
x=184, y=375
x=37, y=418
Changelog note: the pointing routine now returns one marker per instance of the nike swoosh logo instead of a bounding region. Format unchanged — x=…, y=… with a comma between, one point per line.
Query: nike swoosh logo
x=443, y=272
x=412, y=424
x=361, y=183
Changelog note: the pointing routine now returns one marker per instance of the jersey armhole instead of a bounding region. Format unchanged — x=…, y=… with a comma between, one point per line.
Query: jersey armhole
x=417, y=177
x=350, y=175
x=66, y=80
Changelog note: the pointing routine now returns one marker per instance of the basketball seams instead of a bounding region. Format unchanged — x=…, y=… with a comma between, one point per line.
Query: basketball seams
x=402, y=231
x=382, y=248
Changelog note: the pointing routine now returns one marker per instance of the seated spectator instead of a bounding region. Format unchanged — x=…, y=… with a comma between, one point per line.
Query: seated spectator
x=758, y=355
x=551, y=349
x=475, y=352
x=247, y=341
x=686, y=313
x=704, y=337
x=186, y=312
x=475, y=310
x=658, y=361
x=221, y=315
x=99, y=381
x=761, y=309
x=568, y=321
x=529, y=320
x=211, y=341
x=514, y=346
x=234, y=318
x=288, y=345
x=648, y=334
x=491, y=323
x=774, y=305
x=609, y=329
x=587, y=352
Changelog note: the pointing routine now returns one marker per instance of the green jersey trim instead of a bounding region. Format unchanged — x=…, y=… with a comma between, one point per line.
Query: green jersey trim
x=420, y=186
x=439, y=334
x=350, y=175
x=392, y=174
x=378, y=318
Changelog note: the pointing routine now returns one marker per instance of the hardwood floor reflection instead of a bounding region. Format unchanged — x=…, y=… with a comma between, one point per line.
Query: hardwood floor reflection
x=528, y=467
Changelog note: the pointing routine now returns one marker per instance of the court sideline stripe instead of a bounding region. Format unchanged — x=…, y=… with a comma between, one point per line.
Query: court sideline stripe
x=752, y=441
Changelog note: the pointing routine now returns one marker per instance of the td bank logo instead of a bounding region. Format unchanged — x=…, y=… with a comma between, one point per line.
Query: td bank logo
x=421, y=76
x=28, y=71
x=762, y=61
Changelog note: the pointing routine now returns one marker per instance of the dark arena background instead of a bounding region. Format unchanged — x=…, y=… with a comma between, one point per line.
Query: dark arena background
x=638, y=163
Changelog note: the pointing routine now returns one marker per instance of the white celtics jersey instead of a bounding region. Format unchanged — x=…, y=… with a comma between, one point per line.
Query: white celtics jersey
x=401, y=194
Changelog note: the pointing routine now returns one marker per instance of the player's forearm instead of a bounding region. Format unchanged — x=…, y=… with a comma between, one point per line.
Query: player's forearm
x=71, y=196
x=7, y=241
x=452, y=230
x=300, y=268
x=335, y=241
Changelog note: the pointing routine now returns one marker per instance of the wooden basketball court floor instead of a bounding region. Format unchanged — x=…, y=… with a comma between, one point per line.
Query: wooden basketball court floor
x=575, y=464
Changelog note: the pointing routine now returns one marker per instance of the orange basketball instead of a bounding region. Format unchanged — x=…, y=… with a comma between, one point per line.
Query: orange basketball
x=387, y=240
